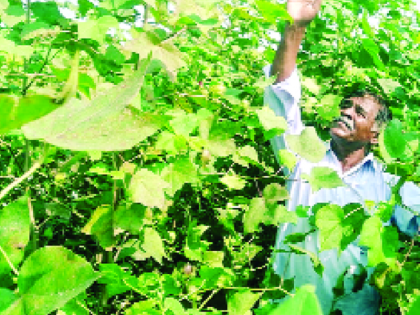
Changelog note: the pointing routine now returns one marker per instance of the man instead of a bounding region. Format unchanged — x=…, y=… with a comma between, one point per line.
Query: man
x=362, y=117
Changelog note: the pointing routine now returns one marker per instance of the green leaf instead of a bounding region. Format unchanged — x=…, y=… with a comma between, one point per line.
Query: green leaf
x=130, y=219
x=14, y=112
x=101, y=226
x=249, y=154
x=7, y=297
x=273, y=125
x=153, y=245
x=12, y=15
x=275, y=192
x=233, y=181
x=144, y=43
x=195, y=247
x=329, y=221
x=304, y=302
x=287, y=158
x=241, y=302
x=113, y=277
x=146, y=307
x=104, y=124
x=75, y=306
x=174, y=305
x=415, y=306
x=273, y=11
x=178, y=173
x=329, y=107
x=14, y=233
x=148, y=188
x=30, y=30
x=382, y=242
x=48, y=279
x=268, y=213
x=388, y=85
x=323, y=177
x=392, y=143
x=213, y=259
x=307, y=145
x=171, y=143
x=184, y=124
x=13, y=49
x=97, y=29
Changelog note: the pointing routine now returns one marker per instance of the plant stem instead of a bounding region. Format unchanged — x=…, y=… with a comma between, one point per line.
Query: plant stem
x=19, y=180
x=8, y=261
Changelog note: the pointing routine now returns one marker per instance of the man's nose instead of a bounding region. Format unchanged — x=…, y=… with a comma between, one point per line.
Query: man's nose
x=348, y=111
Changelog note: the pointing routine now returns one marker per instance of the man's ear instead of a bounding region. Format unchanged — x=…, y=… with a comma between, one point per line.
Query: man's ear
x=375, y=137
x=376, y=130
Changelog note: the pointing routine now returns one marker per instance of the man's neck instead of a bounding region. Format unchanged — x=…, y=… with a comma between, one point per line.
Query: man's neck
x=349, y=155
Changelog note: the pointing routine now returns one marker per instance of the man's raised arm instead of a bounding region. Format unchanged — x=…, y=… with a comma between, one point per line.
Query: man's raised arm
x=302, y=12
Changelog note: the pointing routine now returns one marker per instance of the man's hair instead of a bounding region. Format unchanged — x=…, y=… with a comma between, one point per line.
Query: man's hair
x=384, y=114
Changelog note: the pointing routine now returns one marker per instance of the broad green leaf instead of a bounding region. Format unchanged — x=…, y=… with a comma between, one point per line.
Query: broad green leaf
x=382, y=241
x=175, y=306
x=195, y=247
x=171, y=143
x=329, y=107
x=30, y=30
x=329, y=221
x=148, y=188
x=392, y=143
x=184, y=124
x=101, y=226
x=144, y=43
x=129, y=219
x=307, y=145
x=13, y=15
x=48, y=279
x=75, y=306
x=153, y=245
x=249, y=154
x=7, y=297
x=304, y=302
x=146, y=307
x=388, y=85
x=415, y=306
x=97, y=29
x=242, y=301
x=311, y=85
x=268, y=213
x=275, y=192
x=233, y=181
x=14, y=113
x=222, y=147
x=287, y=158
x=178, y=173
x=104, y=124
x=273, y=11
x=323, y=177
x=14, y=233
x=213, y=259
x=113, y=277
x=48, y=12
x=272, y=124
x=13, y=49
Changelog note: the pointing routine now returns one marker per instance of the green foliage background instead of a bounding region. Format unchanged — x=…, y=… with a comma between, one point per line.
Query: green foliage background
x=137, y=177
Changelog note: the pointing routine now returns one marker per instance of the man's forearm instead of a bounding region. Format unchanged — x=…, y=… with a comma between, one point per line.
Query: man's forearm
x=285, y=60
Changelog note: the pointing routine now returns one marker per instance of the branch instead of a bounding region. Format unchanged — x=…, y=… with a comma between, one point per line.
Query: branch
x=26, y=88
x=8, y=261
x=19, y=180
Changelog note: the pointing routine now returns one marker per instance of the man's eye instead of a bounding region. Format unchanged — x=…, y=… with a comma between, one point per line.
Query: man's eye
x=346, y=104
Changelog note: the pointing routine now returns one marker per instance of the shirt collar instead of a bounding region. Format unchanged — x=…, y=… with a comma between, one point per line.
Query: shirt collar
x=366, y=160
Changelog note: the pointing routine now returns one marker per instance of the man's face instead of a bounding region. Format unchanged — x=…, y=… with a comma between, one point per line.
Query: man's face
x=357, y=123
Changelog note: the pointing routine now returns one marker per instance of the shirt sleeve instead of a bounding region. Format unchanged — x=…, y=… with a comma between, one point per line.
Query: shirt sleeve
x=283, y=98
x=406, y=220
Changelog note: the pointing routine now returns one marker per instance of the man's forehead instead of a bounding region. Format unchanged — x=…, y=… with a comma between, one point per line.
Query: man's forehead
x=368, y=103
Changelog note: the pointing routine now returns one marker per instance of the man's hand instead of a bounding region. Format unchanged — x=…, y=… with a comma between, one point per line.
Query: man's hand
x=303, y=11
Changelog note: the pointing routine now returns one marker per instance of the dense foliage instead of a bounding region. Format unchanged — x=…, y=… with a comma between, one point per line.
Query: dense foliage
x=137, y=176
